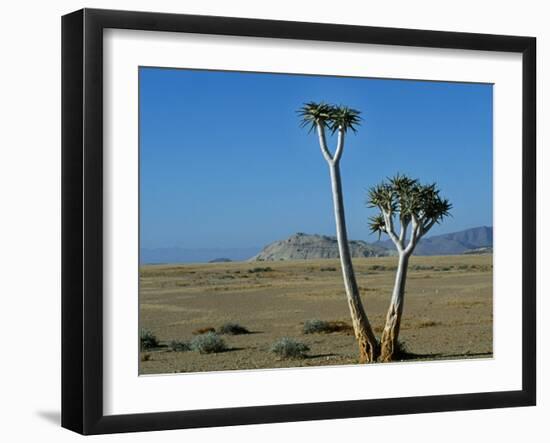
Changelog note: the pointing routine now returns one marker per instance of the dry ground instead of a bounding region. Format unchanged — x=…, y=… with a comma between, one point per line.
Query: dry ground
x=448, y=309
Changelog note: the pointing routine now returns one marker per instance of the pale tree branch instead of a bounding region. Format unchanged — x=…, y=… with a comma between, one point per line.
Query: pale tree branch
x=340, y=145
x=323, y=143
x=388, y=221
x=403, y=233
x=415, y=234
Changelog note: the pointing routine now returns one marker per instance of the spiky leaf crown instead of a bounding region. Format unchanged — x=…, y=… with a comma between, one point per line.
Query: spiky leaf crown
x=333, y=117
x=406, y=197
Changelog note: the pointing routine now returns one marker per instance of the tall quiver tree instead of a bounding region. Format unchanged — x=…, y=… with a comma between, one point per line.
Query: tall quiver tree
x=339, y=119
x=415, y=206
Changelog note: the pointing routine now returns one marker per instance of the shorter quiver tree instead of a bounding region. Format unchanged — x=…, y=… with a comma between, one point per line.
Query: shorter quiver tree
x=413, y=205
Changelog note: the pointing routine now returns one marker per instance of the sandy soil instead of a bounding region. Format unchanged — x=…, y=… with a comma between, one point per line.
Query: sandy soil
x=448, y=309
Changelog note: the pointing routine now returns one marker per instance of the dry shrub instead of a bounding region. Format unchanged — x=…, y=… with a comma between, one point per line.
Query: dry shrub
x=427, y=323
x=233, y=329
x=315, y=326
x=340, y=326
x=260, y=269
x=179, y=346
x=147, y=340
x=205, y=330
x=209, y=343
x=367, y=289
x=464, y=303
x=289, y=348
x=326, y=327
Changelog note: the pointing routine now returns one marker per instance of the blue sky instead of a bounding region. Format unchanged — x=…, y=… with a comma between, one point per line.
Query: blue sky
x=224, y=163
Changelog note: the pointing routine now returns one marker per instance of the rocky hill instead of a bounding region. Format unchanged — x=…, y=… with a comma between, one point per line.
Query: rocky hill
x=302, y=246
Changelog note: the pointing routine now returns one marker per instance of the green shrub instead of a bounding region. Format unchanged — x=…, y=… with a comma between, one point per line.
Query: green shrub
x=233, y=329
x=208, y=343
x=180, y=346
x=147, y=340
x=289, y=348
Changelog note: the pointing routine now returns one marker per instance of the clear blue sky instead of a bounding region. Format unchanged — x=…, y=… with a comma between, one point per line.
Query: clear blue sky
x=224, y=163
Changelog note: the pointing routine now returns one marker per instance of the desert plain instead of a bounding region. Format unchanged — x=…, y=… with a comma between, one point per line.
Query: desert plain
x=448, y=310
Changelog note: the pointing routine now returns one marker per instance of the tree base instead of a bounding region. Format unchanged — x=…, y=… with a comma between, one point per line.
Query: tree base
x=390, y=348
x=368, y=351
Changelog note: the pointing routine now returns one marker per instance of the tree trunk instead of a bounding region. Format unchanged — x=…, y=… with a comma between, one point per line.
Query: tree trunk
x=368, y=345
x=389, y=344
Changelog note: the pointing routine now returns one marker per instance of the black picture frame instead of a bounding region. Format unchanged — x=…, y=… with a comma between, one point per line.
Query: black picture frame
x=82, y=218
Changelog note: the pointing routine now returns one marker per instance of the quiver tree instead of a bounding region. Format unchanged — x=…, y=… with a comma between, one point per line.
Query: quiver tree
x=413, y=205
x=338, y=120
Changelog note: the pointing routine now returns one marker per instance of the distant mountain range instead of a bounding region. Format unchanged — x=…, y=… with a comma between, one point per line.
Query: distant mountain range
x=449, y=244
x=487, y=250
x=302, y=246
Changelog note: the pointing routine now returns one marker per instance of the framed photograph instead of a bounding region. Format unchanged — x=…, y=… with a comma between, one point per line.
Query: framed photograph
x=268, y=221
